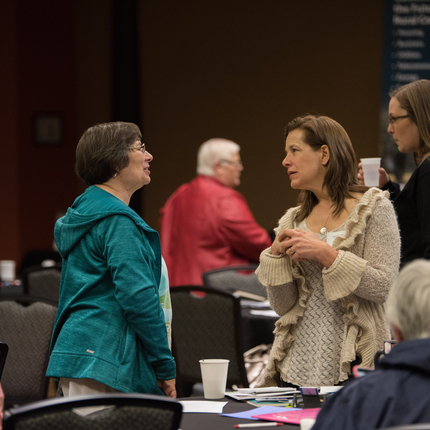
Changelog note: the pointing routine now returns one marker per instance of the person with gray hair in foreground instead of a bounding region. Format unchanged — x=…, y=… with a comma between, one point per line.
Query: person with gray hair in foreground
x=396, y=393
x=206, y=224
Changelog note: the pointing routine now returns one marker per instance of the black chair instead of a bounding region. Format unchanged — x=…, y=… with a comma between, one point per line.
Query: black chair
x=130, y=411
x=43, y=282
x=26, y=326
x=3, y=354
x=207, y=325
x=37, y=257
x=235, y=278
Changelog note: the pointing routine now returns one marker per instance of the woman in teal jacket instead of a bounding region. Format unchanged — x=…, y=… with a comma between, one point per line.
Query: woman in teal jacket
x=110, y=332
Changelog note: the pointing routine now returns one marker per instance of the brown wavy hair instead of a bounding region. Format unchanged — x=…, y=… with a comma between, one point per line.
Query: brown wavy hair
x=414, y=98
x=340, y=178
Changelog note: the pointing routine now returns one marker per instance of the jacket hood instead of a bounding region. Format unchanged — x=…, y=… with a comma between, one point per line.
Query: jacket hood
x=72, y=227
x=413, y=354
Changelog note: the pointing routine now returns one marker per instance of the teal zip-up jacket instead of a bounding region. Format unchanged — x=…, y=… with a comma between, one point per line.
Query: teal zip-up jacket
x=110, y=325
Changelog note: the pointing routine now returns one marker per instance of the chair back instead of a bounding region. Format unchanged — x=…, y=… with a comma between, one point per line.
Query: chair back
x=130, y=411
x=235, y=278
x=37, y=257
x=207, y=325
x=26, y=326
x=43, y=282
x=3, y=354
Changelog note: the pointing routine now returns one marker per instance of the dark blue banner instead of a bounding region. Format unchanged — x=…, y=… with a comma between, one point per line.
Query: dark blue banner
x=406, y=58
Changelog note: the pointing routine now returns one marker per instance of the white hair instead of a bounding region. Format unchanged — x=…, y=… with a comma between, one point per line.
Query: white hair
x=408, y=303
x=212, y=151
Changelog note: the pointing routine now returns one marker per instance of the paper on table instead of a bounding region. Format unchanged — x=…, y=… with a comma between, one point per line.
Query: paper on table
x=247, y=295
x=258, y=403
x=239, y=396
x=326, y=390
x=278, y=398
x=290, y=416
x=266, y=313
x=257, y=390
x=247, y=415
x=202, y=406
x=252, y=393
x=288, y=393
x=253, y=304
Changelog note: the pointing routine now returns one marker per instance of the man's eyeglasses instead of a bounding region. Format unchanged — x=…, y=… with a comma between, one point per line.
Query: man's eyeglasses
x=233, y=163
x=393, y=119
x=140, y=147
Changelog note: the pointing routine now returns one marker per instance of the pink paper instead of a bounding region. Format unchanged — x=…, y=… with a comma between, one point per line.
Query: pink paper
x=291, y=417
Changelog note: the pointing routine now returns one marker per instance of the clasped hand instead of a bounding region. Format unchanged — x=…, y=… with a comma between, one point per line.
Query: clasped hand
x=302, y=245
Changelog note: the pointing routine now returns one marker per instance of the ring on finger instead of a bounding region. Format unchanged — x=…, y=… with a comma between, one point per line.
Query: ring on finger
x=290, y=251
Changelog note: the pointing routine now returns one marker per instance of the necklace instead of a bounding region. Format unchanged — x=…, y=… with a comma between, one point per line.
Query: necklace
x=324, y=229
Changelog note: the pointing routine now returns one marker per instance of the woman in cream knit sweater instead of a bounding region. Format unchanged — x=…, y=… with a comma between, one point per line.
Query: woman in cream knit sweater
x=329, y=270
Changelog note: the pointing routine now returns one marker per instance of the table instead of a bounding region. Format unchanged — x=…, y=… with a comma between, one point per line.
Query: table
x=191, y=421
x=11, y=290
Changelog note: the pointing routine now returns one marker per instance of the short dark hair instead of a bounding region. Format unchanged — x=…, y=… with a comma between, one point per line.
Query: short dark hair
x=342, y=168
x=103, y=149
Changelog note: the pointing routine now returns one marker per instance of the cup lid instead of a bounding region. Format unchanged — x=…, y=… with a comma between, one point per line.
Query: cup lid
x=370, y=160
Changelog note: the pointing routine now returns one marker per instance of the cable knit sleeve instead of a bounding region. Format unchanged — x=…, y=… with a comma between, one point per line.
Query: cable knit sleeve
x=368, y=267
x=275, y=272
x=274, y=269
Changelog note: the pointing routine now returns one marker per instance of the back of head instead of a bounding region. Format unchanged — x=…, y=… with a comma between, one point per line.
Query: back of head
x=212, y=151
x=103, y=151
x=415, y=99
x=342, y=168
x=408, y=303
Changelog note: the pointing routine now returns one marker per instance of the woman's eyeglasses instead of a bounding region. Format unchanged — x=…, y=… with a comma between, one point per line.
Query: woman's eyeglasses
x=393, y=119
x=140, y=147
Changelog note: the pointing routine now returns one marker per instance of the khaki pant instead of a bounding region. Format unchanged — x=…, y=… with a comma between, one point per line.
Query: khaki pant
x=85, y=387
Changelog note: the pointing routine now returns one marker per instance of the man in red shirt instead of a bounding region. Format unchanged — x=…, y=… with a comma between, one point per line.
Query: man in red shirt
x=206, y=224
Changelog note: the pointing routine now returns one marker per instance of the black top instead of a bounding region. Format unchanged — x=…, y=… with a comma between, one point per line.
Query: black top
x=412, y=205
x=396, y=393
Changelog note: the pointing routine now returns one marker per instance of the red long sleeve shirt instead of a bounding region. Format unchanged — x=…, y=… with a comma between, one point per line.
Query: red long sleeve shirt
x=205, y=225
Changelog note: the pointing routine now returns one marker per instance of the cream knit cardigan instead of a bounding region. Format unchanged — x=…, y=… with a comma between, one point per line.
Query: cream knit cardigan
x=360, y=277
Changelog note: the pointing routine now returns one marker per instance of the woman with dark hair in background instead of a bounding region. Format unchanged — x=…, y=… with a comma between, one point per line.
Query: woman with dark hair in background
x=110, y=332
x=329, y=270
x=409, y=112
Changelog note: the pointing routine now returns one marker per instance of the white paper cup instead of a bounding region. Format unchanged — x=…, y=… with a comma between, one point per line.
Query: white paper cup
x=214, y=377
x=7, y=270
x=370, y=171
x=306, y=423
